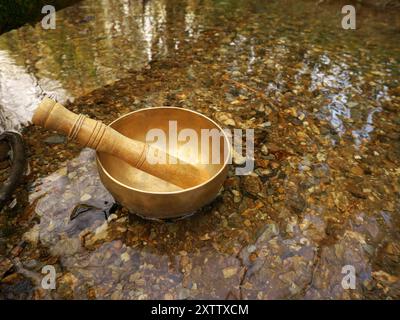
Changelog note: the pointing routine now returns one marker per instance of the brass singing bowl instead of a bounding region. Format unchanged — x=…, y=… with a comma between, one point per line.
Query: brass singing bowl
x=149, y=196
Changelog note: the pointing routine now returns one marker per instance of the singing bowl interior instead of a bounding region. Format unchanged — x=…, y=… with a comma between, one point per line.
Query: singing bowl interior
x=150, y=196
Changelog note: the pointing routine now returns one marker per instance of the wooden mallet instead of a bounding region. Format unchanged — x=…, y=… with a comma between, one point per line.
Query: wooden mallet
x=96, y=135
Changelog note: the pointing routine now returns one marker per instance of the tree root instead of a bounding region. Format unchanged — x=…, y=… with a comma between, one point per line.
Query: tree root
x=18, y=164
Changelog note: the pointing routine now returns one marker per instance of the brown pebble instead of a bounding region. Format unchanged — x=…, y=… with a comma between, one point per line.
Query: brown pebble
x=118, y=244
x=253, y=256
x=4, y=164
x=356, y=192
x=358, y=171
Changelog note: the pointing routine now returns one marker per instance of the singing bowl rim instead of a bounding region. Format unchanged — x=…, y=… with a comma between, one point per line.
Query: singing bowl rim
x=226, y=162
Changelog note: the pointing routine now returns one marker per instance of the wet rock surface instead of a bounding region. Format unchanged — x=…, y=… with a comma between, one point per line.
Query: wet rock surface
x=324, y=106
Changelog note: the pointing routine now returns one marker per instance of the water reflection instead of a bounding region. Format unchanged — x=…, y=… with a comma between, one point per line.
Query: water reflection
x=93, y=45
x=148, y=29
x=336, y=82
x=333, y=80
x=20, y=93
x=363, y=134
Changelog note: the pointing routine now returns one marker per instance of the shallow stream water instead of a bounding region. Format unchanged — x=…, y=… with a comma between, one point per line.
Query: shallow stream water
x=324, y=105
